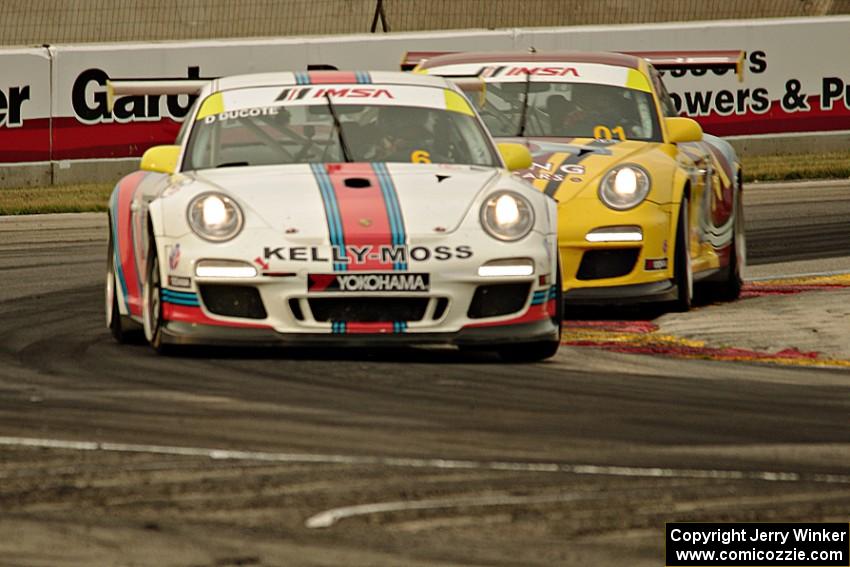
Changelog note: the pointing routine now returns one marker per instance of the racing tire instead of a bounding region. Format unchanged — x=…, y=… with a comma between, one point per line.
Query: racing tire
x=122, y=328
x=539, y=350
x=730, y=288
x=152, y=302
x=558, y=319
x=683, y=273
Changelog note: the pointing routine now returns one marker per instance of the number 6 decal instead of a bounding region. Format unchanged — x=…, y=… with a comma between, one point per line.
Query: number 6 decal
x=420, y=156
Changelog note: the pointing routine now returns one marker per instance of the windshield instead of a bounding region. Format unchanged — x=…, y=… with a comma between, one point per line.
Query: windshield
x=568, y=110
x=308, y=134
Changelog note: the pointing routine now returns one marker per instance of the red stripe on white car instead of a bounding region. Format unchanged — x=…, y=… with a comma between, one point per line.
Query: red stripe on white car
x=363, y=211
x=126, y=249
x=365, y=328
x=535, y=313
x=332, y=77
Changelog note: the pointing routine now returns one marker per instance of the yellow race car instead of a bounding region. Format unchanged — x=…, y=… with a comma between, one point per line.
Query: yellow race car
x=647, y=203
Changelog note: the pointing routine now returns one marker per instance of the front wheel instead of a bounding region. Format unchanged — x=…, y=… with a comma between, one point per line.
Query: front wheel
x=122, y=330
x=730, y=288
x=152, y=301
x=683, y=273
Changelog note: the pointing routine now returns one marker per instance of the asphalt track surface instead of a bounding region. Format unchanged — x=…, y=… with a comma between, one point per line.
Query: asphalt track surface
x=799, y=221
x=223, y=457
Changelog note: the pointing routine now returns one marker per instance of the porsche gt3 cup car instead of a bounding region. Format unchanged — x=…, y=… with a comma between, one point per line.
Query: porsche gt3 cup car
x=333, y=208
x=648, y=204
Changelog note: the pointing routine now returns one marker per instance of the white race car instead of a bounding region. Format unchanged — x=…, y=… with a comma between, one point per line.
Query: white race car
x=333, y=208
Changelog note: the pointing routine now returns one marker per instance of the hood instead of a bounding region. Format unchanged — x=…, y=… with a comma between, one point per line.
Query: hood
x=564, y=169
x=307, y=201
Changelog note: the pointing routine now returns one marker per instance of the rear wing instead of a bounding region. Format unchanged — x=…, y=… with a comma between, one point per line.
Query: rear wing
x=694, y=60
x=662, y=60
x=120, y=87
x=413, y=58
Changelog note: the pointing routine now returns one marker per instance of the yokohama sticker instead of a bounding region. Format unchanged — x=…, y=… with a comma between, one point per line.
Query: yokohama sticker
x=367, y=282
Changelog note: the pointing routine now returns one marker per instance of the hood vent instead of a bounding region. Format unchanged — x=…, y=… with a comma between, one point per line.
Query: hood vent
x=357, y=183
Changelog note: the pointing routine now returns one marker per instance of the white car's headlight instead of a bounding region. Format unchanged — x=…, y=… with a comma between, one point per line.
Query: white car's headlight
x=624, y=187
x=507, y=215
x=215, y=217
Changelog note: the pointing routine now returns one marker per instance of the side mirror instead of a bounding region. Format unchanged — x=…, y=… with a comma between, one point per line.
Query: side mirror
x=161, y=159
x=683, y=130
x=516, y=156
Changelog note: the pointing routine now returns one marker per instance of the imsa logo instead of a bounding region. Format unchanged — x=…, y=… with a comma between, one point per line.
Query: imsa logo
x=368, y=282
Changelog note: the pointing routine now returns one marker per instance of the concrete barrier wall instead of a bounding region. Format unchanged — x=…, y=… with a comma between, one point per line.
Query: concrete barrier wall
x=55, y=126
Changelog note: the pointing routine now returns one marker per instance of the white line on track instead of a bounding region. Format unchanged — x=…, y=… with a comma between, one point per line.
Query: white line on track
x=330, y=517
x=511, y=466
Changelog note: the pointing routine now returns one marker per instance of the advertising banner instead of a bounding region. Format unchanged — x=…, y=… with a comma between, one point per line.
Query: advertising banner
x=796, y=75
x=53, y=101
x=24, y=106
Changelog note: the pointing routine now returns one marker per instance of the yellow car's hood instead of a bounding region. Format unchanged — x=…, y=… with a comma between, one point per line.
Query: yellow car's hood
x=564, y=168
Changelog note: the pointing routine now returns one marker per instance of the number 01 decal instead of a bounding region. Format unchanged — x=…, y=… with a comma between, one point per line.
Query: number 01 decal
x=601, y=132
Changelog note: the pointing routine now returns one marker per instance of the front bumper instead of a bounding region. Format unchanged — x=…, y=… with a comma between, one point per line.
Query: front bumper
x=290, y=313
x=616, y=272
x=653, y=292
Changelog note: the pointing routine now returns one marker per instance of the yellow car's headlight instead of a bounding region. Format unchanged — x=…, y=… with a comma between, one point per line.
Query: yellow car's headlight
x=507, y=215
x=624, y=187
x=215, y=217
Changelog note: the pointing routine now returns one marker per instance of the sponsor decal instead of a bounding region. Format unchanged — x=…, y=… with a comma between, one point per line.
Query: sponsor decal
x=549, y=171
x=298, y=93
x=580, y=154
x=543, y=71
x=359, y=255
x=553, y=164
x=357, y=92
x=292, y=94
x=655, y=264
x=241, y=113
x=179, y=281
x=174, y=256
x=366, y=282
x=491, y=72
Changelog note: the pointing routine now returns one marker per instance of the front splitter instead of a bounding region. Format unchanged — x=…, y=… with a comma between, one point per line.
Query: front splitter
x=178, y=333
